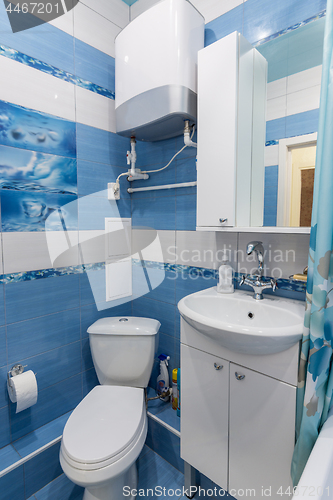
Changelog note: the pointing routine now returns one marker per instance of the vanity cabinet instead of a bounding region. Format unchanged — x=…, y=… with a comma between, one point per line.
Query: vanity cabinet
x=238, y=415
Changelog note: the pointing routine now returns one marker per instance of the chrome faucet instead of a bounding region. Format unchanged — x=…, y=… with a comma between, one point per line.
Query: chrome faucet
x=257, y=247
x=255, y=280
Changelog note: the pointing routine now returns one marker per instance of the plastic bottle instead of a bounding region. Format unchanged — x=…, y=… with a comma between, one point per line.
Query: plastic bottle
x=163, y=378
x=174, y=389
x=226, y=274
x=178, y=392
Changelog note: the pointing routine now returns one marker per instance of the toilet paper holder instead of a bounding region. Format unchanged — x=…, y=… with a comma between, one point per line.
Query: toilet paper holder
x=15, y=370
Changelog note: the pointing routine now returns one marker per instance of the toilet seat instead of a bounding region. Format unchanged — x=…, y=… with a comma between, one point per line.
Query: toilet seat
x=104, y=427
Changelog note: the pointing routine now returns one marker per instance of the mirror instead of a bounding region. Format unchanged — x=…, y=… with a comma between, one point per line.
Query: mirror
x=294, y=74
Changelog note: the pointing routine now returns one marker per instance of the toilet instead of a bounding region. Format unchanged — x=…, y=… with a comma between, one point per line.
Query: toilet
x=106, y=432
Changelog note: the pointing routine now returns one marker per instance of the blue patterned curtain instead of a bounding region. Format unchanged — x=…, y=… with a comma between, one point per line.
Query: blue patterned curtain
x=315, y=385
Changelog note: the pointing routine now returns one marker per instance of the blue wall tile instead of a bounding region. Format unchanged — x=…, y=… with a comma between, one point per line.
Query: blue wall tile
x=89, y=381
x=52, y=402
x=302, y=123
x=30, y=299
x=94, y=209
x=156, y=214
x=54, y=366
x=87, y=362
x=186, y=284
x=224, y=25
x=42, y=469
x=4, y=398
x=8, y=457
x=3, y=347
x=39, y=335
x=93, y=65
x=60, y=489
x=186, y=209
x=99, y=146
x=37, y=211
x=164, y=292
x=93, y=179
x=12, y=485
x=36, y=131
x=44, y=42
x=2, y=304
x=5, y=436
x=165, y=443
x=153, y=471
x=41, y=436
x=276, y=129
x=155, y=153
x=163, y=312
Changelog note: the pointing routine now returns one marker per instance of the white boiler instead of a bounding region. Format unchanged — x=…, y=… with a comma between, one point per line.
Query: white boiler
x=156, y=71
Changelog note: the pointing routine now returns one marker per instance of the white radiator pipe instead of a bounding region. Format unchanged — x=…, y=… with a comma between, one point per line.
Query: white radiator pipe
x=165, y=186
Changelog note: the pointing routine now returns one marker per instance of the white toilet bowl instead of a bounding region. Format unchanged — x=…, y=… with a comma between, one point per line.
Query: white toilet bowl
x=106, y=432
x=102, y=440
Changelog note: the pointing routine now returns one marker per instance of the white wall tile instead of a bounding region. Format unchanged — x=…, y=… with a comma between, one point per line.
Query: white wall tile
x=116, y=11
x=94, y=29
x=95, y=110
x=284, y=255
x=31, y=251
x=64, y=23
x=271, y=155
x=31, y=88
x=304, y=79
x=158, y=246
x=303, y=100
x=211, y=9
x=277, y=88
x=276, y=108
x=204, y=249
x=91, y=246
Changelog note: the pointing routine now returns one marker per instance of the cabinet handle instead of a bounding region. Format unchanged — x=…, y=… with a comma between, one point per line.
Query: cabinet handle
x=222, y=220
x=218, y=367
x=238, y=376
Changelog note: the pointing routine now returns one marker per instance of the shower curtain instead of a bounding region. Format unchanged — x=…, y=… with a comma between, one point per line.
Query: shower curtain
x=315, y=384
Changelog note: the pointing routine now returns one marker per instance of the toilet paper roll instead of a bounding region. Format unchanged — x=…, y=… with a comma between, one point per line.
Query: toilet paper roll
x=22, y=389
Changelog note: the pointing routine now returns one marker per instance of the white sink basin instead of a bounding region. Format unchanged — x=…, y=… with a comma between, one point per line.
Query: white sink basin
x=239, y=323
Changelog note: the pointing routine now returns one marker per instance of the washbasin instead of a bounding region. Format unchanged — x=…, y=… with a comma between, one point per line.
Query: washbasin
x=239, y=323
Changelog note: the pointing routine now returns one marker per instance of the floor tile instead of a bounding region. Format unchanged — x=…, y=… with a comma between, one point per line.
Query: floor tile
x=60, y=489
x=157, y=474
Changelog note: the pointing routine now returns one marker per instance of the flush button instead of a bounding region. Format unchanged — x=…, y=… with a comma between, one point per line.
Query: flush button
x=123, y=319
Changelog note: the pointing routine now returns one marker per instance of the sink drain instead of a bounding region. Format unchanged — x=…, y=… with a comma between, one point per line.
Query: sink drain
x=250, y=315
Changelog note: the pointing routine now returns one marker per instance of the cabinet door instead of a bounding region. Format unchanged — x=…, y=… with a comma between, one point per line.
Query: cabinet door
x=204, y=413
x=262, y=430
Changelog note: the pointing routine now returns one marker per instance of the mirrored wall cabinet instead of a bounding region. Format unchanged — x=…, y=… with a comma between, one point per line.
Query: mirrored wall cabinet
x=244, y=183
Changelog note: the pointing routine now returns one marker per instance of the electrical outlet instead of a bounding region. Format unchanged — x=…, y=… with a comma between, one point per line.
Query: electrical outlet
x=111, y=194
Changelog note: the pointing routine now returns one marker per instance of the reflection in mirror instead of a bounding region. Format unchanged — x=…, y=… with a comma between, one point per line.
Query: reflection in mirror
x=297, y=156
x=293, y=94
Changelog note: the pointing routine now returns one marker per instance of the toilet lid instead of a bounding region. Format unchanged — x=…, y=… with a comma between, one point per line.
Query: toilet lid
x=104, y=424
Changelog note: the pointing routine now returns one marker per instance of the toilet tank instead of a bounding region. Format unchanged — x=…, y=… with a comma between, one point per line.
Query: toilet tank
x=156, y=71
x=123, y=349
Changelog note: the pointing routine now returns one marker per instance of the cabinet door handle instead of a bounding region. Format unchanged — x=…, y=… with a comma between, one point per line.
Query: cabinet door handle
x=218, y=367
x=238, y=376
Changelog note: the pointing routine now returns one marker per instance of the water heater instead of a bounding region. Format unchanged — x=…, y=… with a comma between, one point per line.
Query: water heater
x=156, y=71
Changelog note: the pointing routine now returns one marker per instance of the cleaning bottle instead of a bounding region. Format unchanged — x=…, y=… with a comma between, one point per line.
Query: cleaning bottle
x=226, y=274
x=178, y=392
x=163, y=378
x=174, y=389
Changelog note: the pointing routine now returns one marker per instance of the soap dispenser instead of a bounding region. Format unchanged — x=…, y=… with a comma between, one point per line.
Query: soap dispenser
x=226, y=275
